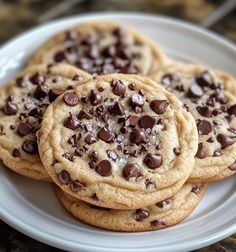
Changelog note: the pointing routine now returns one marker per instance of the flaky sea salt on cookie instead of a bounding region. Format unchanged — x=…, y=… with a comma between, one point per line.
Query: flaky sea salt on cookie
x=23, y=102
x=102, y=47
x=163, y=214
x=118, y=141
x=210, y=95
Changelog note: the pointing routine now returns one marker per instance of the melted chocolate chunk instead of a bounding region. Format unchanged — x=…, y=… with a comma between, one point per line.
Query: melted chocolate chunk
x=205, y=111
x=77, y=186
x=38, y=79
x=104, y=168
x=147, y=122
x=64, y=177
x=10, y=108
x=137, y=136
x=30, y=147
x=24, y=128
x=118, y=87
x=232, y=167
x=195, y=91
x=90, y=139
x=204, y=127
x=224, y=140
x=117, y=109
x=71, y=99
x=95, y=98
x=106, y=135
x=159, y=106
x=131, y=171
x=136, y=100
x=196, y=189
x=201, y=153
x=54, y=93
x=112, y=155
x=84, y=115
x=141, y=214
x=72, y=122
x=153, y=161
x=16, y=153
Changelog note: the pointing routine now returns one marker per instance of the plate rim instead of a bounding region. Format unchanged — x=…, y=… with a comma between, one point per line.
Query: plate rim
x=49, y=239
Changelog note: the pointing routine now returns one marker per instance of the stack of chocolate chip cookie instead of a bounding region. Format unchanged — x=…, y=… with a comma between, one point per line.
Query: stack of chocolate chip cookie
x=128, y=137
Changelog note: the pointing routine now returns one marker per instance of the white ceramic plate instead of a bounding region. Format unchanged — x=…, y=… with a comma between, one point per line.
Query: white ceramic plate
x=32, y=207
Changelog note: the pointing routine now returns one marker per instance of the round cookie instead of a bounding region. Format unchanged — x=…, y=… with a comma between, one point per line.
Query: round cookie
x=22, y=105
x=210, y=96
x=121, y=139
x=102, y=47
x=163, y=214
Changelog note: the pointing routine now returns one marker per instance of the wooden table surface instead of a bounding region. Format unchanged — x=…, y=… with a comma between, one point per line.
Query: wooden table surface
x=19, y=15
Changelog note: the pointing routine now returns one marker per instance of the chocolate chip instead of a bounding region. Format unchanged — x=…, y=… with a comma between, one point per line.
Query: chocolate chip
x=159, y=106
x=104, y=168
x=132, y=120
x=112, y=155
x=79, y=151
x=136, y=100
x=137, y=136
x=69, y=156
x=90, y=139
x=84, y=115
x=38, y=79
x=232, y=110
x=177, y=151
x=123, y=130
x=204, y=127
x=109, y=51
x=54, y=93
x=156, y=223
x=204, y=80
x=196, y=189
x=232, y=167
x=117, y=109
x=36, y=112
x=118, y=87
x=16, y=153
x=95, y=98
x=105, y=117
x=71, y=99
x=224, y=140
x=131, y=171
x=147, y=122
x=137, y=110
x=153, y=161
x=201, y=153
x=24, y=128
x=131, y=86
x=30, y=147
x=10, y=108
x=59, y=56
x=94, y=155
x=94, y=196
x=141, y=214
x=21, y=82
x=72, y=122
x=163, y=203
x=195, y=91
x=168, y=79
x=92, y=164
x=210, y=140
x=41, y=91
x=150, y=184
x=77, y=78
x=106, y=135
x=205, y=111
x=220, y=97
x=64, y=177
x=217, y=153
x=77, y=186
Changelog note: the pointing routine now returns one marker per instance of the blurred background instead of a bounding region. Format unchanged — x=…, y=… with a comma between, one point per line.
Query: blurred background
x=17, y=16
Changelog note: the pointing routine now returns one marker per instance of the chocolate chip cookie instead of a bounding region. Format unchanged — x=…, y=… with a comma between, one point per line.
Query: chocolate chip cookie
x=210, y=95
x=118, y=141
x=22, y=104
x=102, y=47
x=163, y=214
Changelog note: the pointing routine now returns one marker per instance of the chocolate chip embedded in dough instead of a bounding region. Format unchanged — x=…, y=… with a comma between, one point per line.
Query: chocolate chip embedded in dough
x=16, y=153
x=131, y=171
x=195, y=91
x=77, y=186
x=117, y=109
x=90, y=139
x=71, y=99
x=64, y=177
x=136, y=100
x=38, y=79
x=112, y=155
x=177, y=151
x=232, y=167
x=21, y=82
x=106, y=135
x=153, y=161
x=72, y=122
x=168, y=79
x=205, y=111
x=137, y=136
x=30, y=147
x=118, y=87
x=163, y=203
x=95, y=98
x=201, y=153
x=224, y=140
x=217, y=153
x=84, y=115
x=59, y=56
x=79, y=151
x=156, y=223
x=204, y=127
x=204, y=80
x=104, y=168
x=10, y=108
x=159, y=106
x=54, y=93
x=232, y=110
x=196, y=189
x=141, y=214
x=147, y=122
x=150, y=184
x=24, y=128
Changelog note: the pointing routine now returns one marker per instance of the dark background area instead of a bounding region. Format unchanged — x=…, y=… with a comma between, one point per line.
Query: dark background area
x=17, y=16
